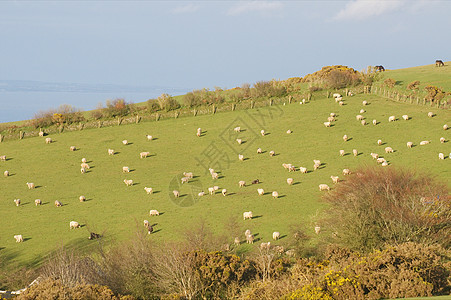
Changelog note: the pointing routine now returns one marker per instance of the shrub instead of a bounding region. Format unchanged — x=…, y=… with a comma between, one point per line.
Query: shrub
x=334, y=77
x=116, y=108
x=315, y=89
x=167, y=103
x=390, y=82
x=191, y=100
x=413, y=85
x=152, y=106
x=64, y=114
x=379, y=205
x=434, y=93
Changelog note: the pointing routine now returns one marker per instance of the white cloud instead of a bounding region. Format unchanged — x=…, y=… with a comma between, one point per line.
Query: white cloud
x=186, y=9
x=254, y=6
x=363, y=9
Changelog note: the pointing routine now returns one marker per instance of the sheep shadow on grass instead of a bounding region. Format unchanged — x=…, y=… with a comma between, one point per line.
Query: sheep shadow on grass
x=296, y=183
x=26, y=239
x=231, y=194
x=283, y=236
x=282, y=196
x=155, y=231
x=256, y=217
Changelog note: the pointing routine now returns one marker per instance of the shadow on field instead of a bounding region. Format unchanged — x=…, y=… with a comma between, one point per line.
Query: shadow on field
x=154, y=138
x=38, y=186
x=267, y=193
x=256, y=217
x=282, y=196
x=116, y=152
x=244, y=159
x=132, y=170
x=263, y=152
x=346, y=154
x=155, y=231
x=129, y=144
x=296, y=183
x=9, y=158
x=156, y=192
x=283, y=236
x=26, y=239
x=231, y=194
x=136, y=183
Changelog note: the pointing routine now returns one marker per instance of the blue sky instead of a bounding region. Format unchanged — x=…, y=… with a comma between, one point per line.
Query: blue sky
x=196, y=44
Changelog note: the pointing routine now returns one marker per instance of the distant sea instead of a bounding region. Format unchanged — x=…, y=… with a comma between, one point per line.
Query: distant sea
x=21, y=100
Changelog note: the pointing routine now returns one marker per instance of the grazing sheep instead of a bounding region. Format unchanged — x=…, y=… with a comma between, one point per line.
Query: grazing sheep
x=260, y=192
x=333, y=115
x=379, y=142
x=211, y=170
x=82, y=198
x=110, y=152
x=430, y=114
x=72, y=148
x=391, y=119
x=241, y=157
x=330, y=119
x=317, y=162
x=125, y=142
x=224, y=192
x=445, y=127
x=6, y=173
x=201, y=194
x=316, y=167
x=405, y=117
x=73, y=225
x=125, y=169
x=58, y=204
x=442, y=140
x=214, y=175
x=327, y=124
x=199, y=132
x=275, y=194
x=148, y=190
x=247, y=232
x=345, y=138
x=388, y=150
x=211, y=190
x=30, y=185
x=355, y=152
x=289, y=131
x=362, y=111
x=149, y=137
x=237, y=241
x=19, y=238
x=3, y=158
x=239, y=141
x=291, y=168
x=290, y=253
x=186, y=179
x=83, y=170
x=85, y=165
x=342, y=153
x=335, y=179
x=266, y=246
x=128, y=182
x=374, y=155
x=272, y=153
x=341, y=103
x=338, y=99
x=317, y=229
x=37, y=202
x=259, y=151
x=364, y=103
x=303, y=170
x=441, y=156
x=48, y=140
x=154, y=212
x=363, y=122
x=144, y=154
x=17, y=202
x=346, y=172
x=380, y=160
x=384, y=164
x=336, y=95
x=83, y=160
x=422, y=143
x=41, y=133
x=247, y=215
x=256, y=181
x=374, y=122
x=323, y=187
x=359, y=117
x=176, y=193
x=290, y=181
x=276, y=235
x=242, y=183
x=146, y=223
x=250, y=239
x=409, y=144
x=262, y=132
x=189, y=175
x=237, y=129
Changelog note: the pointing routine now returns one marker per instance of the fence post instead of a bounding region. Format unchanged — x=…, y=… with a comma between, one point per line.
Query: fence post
x=195, y=112
x=233, y=106
x=61, y=128
x=214, y=109
x=157, y=117
x=137, y=119
x=270, y=102
x=290, y=98
x=80, y=126
x=1, y=138
x=252, y=103
x=176, y=115
x=309, y=96
x=21, y=134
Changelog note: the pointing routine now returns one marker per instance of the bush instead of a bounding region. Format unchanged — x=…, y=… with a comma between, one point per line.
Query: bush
x=434, y=93
x=167, y=103
x=315, y=89
x=413, y=85
x=390, y=82
x=191, y=100
x=64, y=114
x=334, y=77
x=152, y=106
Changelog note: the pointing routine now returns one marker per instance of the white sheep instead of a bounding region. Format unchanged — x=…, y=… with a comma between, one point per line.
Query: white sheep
x=190, y=175
x=211, y=190
x=384, y=164
x=430, y=114
x=247, y=232
x=445, y=127
x=374, y=155
x=323, y=187
x=327, y=124
x=83, y=170
x=290, y=181
x=409, y=144
x=379, y=142
x=201, y=194
x=442, y=140
x=58, y=204
x=237, y=129
x=388, y=150
x=342, y=153
x=48, y=140
x=82, y=198
x=260, y=192
x=275, y=195
x=381, y=160
x=289, y=131
x=317, y=229
x=41, y=133
x=17, y=202
x=276, y=235
x=338, y=99
x=247, y=215
x=125, y=169
x=83, y=160
x=242, y=183
x=73, y=225
x=19, y=238
x=422, y=143
x=85, y=165
x=345, y=138
x=211, y=170
x=110, y=152
x=441, y=156
x=128, y=182
x=259, y=151
x=272, y=153
x=355, y=152
x=391, y=119
x=37, y=202
x=359, y=117
x=72, y=148
x=331, y=119
x=250, y=239
x=364, y=103
x=363, y=122
x=154, y=212
x=405, y=117
x=237, y=241
x=341, y=103
x=144, y=154
x=3, y=158
x=239, y=141
x=335, y=179
x=199, y=132
x=146, y=223
x=262, y=132
x=30, y=185
x=148, y=190
x=241, y=157
x=186, y=179
x=266, y=246
x=224, y=192
x=176, y=193
x=149, y=137
x=336, y=95
x=317, y=162
x=6, y=173
x=346, y=172
x=303, y=170
x=125, y=142
x=214, y=175
x=374, y=122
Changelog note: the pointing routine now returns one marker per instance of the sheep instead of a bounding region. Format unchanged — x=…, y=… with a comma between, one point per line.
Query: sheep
x=73, y=225
x=345, y=138
x=247, y=232
x=247, y=215
x=363, y=122
x=323, y=187
x=30, y=185
x=266, y=246
x=239, y=141
x=149, y=137
x=374, y=122
x=445, y=127
x=388, y=150
x=362, y=111
x=405, y=117
x=37, y=202
x=237, y=129
x=359, y=117
x=82, y=198
x=275, y=195
x=333, y=115
x=260, y=192
x=374, y=155
x=83, y=160
x=342, y=153
x=242, y=183
x=422, y=143
x=72, y=148
x=335, y=179
x=154, y=212
x=272, y=153
x=291, y=168
x=176, y=193
x=85, y=165
x=262, y=132
x=380, y=160
x=201, y=194
x=391, y=119
x=289, y=131
x=379, y=142
x=441, y=156
x=409, y=144
x=250, y=239
x=128, y=182
x=259, y=151
x=186, y=179
x=211, y=190
x=125, y=169
x=17, y=202
x=286, y=166
x=442, y=140
x=110, y=152
x=279, y=249
x=317, y=162
x=19, y=238
x=6, y=173
x=317, y=229
x=355, y=152
x=146, y=223
x=189, y=175
x=58, y=204
x=211, y=170
x=3, y=158
x=48, y=140
x=327, y=124
x=125, y=142
x=224, y=192
x=199, y=132
x=41, y=133
x=276, y=235
x=341, y=103
x=346, y=172
x=384, y=164
x=364, y=103
x=430, y=114
x=241, y=157
x=144, y=154
x=330, y=119
x=237, y=241
x=336, y=95
x=338, y=99
x=303, y=170
x=290, y=181
x=83, y=170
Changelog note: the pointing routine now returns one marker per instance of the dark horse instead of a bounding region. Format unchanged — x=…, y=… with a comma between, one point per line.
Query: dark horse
x=379, y=68
x=439, y=63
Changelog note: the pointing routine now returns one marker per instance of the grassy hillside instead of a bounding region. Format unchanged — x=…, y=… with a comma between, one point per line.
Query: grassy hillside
x=117, y=210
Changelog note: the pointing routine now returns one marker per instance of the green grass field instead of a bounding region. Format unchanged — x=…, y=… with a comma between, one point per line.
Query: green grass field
x=116, y=210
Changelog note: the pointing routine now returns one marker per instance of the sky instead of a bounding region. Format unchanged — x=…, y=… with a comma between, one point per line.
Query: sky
x=203, y=44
